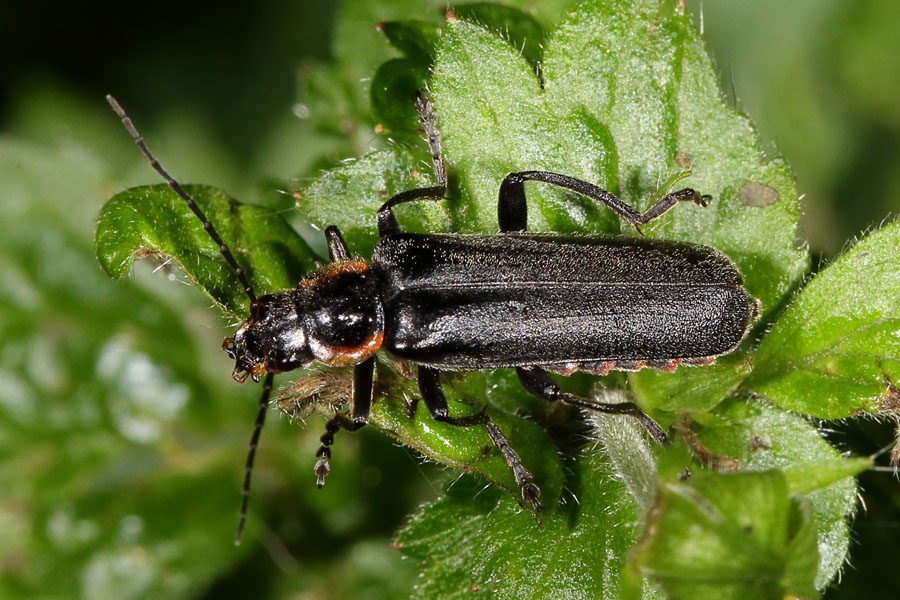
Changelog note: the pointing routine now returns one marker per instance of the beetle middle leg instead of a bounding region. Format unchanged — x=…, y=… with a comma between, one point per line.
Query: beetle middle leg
x=538, y=383
x=387, y=222
x=430, y=387
x=512, y=211
x=433, y=137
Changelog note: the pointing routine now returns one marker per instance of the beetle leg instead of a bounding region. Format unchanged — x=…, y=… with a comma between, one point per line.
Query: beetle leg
x=334, y=424
x=430, y=386
x=363, y=375
x=432, y=394
x=337, y=248
x=512, y=211
x=662, y=205
x=433, y=137
x=530, y=491
x=387, y=222
x=537, y=383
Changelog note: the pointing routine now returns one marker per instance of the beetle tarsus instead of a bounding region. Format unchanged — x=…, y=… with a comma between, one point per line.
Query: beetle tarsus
x=429, y=123
x=652, y=427
x=530, y=491
x=322, y=468
x=323, y=454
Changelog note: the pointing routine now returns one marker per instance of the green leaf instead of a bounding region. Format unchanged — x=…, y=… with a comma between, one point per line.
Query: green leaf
x=415, y=39
x=763, y=438
x=359, y=46
x=836, y=349
x=395, y=87
x=473, y=542
x=522, y=31
x=349, y=196
x=736, y=535
x=692, y=390
x=153, y=220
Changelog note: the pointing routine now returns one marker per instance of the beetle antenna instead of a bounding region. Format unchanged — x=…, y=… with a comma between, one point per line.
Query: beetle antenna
x=176, y=187
x=428, y=120
x=251, y=454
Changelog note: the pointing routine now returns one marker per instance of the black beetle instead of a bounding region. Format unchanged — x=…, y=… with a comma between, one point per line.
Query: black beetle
x=536, y=302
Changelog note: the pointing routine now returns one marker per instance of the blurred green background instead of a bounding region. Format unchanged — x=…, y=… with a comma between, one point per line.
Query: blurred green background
x=121, y=435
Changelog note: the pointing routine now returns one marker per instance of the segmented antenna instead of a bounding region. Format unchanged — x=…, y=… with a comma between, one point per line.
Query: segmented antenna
x=251, y=453
x=176, y=187
x=242, y=278
x=429, y=123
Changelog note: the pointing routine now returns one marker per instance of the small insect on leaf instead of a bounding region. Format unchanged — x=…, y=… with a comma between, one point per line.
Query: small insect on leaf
x=469, y=303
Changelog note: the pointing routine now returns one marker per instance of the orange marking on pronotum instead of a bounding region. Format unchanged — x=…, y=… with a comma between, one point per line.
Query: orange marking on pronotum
x=333, y=269
x=341, y=356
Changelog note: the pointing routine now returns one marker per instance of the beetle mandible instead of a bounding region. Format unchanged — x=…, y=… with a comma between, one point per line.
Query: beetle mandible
x=538, y=303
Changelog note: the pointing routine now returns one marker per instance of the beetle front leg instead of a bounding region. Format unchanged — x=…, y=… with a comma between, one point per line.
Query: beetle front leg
x=512, y=210
x=538, y=383
x=430, y=386
x=337, y=248
x=363, y=378
x=334, y=424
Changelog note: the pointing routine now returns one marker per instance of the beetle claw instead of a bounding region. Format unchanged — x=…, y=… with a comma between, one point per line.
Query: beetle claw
x=531, y=494
x=322, y=469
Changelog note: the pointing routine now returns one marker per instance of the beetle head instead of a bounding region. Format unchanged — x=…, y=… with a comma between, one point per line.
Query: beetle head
x=334, y=316
x=273, y=337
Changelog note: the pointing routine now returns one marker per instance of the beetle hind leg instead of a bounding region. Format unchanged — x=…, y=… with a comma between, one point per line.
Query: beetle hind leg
x=537, y=383
x=512, y=210
x=433, y=395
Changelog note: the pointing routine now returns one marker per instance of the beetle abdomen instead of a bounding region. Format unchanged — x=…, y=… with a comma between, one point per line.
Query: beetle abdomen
x=476, y=302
